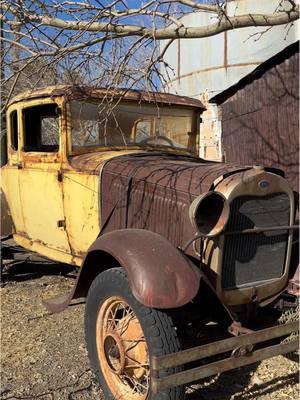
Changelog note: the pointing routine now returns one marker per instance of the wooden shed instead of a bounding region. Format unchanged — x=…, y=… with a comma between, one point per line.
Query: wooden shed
x=260, y=116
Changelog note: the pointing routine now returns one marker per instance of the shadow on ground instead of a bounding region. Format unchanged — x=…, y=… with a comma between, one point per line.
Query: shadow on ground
x=237, y=385
x=20, y=271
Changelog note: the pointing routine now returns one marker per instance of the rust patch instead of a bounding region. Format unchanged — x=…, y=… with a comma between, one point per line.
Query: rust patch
x=161, y=191
x=210, y=69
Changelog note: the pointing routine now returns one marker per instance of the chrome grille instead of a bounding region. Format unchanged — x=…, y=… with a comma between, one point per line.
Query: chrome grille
x=250, y=258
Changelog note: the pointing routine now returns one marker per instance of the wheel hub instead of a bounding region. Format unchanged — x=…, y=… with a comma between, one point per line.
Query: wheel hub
x=114, y=352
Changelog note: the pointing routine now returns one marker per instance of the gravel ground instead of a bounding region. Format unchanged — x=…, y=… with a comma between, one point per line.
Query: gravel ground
x=44, y=356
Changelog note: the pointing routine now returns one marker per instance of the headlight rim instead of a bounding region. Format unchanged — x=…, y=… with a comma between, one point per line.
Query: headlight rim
x=221, y=221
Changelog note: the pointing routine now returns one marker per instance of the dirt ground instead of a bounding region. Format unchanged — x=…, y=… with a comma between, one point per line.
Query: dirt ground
x=44, y=356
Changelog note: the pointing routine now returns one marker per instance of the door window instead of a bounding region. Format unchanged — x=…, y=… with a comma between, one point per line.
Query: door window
x=41, y=128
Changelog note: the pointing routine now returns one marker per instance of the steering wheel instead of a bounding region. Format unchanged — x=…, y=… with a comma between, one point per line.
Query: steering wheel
x=150, y=138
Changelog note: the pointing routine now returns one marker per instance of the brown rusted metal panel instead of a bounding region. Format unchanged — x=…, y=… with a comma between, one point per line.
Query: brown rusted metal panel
x=86, y=92
x=260, y=116
x=155, y=192
x=159, y=275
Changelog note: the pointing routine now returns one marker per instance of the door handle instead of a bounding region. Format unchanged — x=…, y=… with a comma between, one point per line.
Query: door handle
x=18, y=165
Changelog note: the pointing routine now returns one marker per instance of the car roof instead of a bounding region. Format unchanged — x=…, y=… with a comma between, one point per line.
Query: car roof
x=88, y=92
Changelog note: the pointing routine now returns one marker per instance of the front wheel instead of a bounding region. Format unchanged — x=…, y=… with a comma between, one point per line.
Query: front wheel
x=122, y=335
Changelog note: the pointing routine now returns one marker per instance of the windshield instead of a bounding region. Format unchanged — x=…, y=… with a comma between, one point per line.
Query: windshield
x=127, y=125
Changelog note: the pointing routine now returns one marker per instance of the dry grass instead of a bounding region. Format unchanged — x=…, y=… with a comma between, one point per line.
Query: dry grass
x=44, y=356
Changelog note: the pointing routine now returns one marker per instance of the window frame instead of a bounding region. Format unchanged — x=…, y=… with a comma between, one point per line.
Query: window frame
x=195, y=128
x=42, y=156
x=13, y=156
x=12, y=129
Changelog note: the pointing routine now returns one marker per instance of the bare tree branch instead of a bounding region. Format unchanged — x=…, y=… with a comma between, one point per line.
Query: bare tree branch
x=199, y=6
x=223, y=25
x=108, y=43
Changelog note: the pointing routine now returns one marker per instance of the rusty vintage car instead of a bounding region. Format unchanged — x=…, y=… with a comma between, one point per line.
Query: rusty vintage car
x=170, y=245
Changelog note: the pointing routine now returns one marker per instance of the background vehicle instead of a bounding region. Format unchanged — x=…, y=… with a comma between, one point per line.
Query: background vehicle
x=170, y=245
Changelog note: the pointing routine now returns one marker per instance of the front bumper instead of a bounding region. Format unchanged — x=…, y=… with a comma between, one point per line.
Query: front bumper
x=242, y=353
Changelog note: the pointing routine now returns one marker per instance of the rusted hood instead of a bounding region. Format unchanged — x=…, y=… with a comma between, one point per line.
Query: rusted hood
x=180, y=173
x=154, y=192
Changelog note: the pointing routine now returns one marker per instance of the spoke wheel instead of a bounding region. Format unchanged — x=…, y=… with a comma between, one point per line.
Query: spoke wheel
x=122, y=335
x=122, y=350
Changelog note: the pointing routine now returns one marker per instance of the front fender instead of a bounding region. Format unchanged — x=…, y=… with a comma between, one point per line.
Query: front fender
x=159, y=275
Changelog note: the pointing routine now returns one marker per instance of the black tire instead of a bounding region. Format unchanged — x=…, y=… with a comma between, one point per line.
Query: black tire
x=159, y=332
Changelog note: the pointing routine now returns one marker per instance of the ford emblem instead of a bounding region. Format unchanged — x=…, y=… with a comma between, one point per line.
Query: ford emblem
x=263, y=184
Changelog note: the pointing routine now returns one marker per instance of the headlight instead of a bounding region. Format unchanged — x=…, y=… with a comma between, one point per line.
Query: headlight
x=209, y=213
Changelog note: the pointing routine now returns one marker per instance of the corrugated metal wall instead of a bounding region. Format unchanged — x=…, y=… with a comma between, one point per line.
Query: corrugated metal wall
x=260, y=121
x=215, y=63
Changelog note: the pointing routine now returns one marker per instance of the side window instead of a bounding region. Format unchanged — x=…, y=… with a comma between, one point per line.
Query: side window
x=14, y=130
x=41, y=128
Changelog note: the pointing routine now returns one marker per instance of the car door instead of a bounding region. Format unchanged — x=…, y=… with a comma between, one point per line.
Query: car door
x=11, y=208
x=40, y=187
